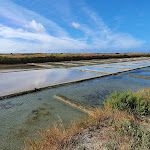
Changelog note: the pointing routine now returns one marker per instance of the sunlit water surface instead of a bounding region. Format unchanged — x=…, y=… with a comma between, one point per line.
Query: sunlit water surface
x=22, y=116
x=19, y=81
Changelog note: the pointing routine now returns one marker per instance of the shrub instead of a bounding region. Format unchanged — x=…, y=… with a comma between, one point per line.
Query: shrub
x=127, y=133
x=132, y=102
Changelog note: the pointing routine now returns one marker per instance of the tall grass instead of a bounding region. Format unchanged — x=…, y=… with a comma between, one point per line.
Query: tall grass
x=41, y=57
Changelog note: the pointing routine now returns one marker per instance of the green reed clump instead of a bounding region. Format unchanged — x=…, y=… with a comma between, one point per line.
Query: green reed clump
x=132, y=102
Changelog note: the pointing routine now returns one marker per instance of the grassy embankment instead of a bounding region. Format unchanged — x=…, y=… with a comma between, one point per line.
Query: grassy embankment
x=41, y=57
x=123, y=120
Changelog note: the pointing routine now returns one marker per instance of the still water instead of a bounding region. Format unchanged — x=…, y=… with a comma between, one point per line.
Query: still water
x=97, y=69
x=22, y=116
x=19, y=81
x=116, y=66
x=139, y=72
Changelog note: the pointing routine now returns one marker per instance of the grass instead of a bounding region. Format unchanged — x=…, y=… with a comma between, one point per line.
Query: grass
x=41, y=57
x=124, y=130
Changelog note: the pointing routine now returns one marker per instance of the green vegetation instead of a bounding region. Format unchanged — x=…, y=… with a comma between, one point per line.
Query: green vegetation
x=41, y=57
x=132, y=102
x=127, y=133
x=122, y=129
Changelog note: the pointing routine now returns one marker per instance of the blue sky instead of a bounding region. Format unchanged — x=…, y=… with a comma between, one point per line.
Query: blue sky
x=73, y=26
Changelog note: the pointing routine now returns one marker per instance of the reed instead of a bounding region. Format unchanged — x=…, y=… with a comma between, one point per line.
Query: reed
x=41, y=57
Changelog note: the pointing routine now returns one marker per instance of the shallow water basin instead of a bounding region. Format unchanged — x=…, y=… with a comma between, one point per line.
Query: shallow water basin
x=105, y=70
x=138, y=72
x=116, y=66
x=23, y=116
x=20, y=81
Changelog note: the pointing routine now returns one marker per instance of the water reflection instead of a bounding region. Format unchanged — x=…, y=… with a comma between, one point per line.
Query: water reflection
x=116, y=66
x=138, y=72
x=19, y=81
x=95, y=92
x=134, y=63
x=21, y=116
x=105, y=70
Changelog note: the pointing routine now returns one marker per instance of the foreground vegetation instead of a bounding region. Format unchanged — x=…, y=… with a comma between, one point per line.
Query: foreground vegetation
x=41, y=57
x=124, y=120
x=136, y=103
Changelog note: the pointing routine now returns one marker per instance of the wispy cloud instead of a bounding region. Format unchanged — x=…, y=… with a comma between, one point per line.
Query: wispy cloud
x=76, y=25
x=35, y=26
x=103, y=37
x=32, y=42
x=31, y=32
x=11, y=33
x=22, y=16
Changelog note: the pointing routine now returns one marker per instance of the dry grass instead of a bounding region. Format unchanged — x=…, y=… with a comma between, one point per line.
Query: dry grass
x=60, y=137
x=124, y=131
x=121, y=131
x=41, y=57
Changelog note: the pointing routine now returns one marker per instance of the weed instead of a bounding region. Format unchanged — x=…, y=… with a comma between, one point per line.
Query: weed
x=132, y=102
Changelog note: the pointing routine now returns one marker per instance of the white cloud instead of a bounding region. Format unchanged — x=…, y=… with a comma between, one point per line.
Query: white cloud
x=21, y=40
x=53, y=46
x=36, y=26
x=22, y=16
x=44, y=35
x=102, y=37
x=8, y=32
x=76, y=25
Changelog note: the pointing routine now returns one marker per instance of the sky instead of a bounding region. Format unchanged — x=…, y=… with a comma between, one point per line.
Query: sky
x=74, y=26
